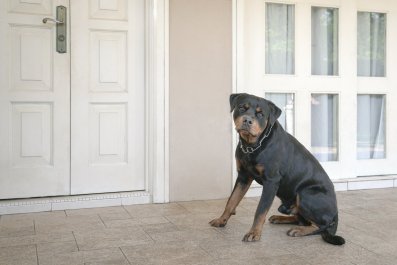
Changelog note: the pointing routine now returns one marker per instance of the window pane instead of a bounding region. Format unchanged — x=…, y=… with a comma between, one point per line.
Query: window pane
x=324, y=126
x=324, y=41
x=371, y=44
x=285, y=101
x=280, y=37
x=371, y=143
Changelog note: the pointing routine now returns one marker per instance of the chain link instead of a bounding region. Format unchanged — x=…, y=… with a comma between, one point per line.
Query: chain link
x=250, y=150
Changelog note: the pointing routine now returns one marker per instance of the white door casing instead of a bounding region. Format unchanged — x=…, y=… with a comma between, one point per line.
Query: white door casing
x=34, y=102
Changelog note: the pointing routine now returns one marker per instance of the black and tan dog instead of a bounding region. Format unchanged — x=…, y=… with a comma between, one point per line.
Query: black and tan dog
x=285, y=168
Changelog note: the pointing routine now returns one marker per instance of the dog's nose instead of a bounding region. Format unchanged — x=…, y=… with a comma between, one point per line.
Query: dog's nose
x=247, y=120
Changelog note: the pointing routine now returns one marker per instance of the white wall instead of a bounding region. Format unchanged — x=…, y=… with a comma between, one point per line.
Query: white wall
x=200, y=85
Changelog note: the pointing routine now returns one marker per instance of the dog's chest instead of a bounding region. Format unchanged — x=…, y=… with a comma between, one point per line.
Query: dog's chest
x=255, y=170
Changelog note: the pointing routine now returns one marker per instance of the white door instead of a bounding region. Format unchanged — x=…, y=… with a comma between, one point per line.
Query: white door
x=72, y=123
x=34, y=102
x=107, y=95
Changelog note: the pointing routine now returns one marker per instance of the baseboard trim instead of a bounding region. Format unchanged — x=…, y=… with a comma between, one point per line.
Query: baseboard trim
x=73, y=202
x=142, y=197
x=359, y=183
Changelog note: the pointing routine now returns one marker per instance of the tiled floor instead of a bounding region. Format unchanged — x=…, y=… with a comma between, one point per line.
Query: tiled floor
x=178, y=233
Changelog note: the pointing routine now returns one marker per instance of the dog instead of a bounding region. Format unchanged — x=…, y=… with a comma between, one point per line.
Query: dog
x=269, y=155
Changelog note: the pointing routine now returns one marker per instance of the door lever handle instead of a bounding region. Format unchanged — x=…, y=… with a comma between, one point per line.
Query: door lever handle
x=61, y=28
x=46, y=19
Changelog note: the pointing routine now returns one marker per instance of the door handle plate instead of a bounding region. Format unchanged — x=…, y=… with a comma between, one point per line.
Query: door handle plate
x=61, y=40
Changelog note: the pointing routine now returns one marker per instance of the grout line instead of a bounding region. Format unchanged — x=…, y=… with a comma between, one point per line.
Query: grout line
x=75, y=240
x=37, y=255
x=154, y=241
x=129, y=214
x=373, y=252
x=125, y=256
x=187, y=210
x=169, y=221
x=102, y=221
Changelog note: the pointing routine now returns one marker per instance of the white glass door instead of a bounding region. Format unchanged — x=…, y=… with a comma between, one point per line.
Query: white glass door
x=327, y=66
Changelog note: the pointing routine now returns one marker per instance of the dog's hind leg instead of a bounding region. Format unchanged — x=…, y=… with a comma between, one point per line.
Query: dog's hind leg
x=284, y=219
x=303, y=230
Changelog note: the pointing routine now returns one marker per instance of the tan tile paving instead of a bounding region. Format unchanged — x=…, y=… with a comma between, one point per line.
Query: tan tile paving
x=178, y=233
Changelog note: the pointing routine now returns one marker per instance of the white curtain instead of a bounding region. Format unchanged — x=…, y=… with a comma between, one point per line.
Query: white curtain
x=280, y=37
x=371, y=126
x=371, y=42
x=324, y=127
x=324, y=41
x=285, y=101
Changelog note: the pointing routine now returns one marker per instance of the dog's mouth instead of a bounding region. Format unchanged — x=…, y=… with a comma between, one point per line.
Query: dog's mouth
x=245, y=132
x=247, y=136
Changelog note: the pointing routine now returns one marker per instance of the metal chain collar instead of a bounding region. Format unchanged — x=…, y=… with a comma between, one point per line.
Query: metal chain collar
x=250, y=150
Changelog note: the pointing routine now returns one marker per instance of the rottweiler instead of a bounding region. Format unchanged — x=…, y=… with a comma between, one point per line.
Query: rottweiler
x=269, y=155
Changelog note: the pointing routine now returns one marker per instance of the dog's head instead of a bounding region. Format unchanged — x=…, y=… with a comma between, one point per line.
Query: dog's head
x=252, y=115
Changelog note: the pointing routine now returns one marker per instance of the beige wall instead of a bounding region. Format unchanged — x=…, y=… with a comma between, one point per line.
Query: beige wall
x=200, y=85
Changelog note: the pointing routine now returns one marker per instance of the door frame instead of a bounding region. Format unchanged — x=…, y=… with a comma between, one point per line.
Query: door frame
x=156, y=149
x=157, y=101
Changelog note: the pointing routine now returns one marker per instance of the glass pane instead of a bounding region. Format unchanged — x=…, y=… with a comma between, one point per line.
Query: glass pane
x=324, y=41
x=371, y=44
x=371, y=136
x=280, y=37
x=285, y=101
x=324, y=126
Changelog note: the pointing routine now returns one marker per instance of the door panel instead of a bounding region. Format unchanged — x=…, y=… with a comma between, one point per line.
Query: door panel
x=34, y=103
x=107, y=96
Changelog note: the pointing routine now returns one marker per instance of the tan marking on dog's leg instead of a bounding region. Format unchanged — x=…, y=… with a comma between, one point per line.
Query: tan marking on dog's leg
x=302, y=230
x=260, y=169
x=284, y=219
x=295, y=208
x=255, y=232
x=230, y=209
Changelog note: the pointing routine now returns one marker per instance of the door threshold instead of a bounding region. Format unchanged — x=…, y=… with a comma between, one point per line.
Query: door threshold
x=45, y=204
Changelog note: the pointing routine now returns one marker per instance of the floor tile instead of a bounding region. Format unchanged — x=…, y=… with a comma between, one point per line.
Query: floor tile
x=70, y=223
x=17, y=228
x=18, y=255
x=52, y=237
x=122, y=223
x=186, y=235
x=111, y=256
x=111, y=237
x=151, y=210
x=166, y=253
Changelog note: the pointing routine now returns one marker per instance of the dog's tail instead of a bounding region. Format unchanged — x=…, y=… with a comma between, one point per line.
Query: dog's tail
x=329, y=236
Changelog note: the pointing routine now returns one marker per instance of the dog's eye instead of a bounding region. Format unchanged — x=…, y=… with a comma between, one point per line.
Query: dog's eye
x=242, y=109
x=259, y=114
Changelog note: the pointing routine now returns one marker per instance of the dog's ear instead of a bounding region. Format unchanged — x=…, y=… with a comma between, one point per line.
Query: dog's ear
x=275, y=112
x=233, y=100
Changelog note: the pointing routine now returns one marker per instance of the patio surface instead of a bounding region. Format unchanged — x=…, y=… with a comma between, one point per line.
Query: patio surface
x=178, y=233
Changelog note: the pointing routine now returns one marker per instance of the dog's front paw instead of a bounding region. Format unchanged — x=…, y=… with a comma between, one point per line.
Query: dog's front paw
x=218, y=222
x=252, y=235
